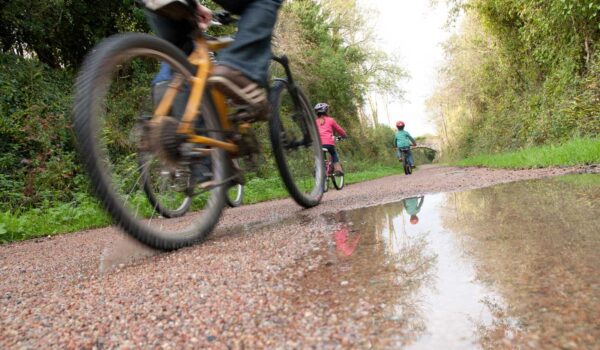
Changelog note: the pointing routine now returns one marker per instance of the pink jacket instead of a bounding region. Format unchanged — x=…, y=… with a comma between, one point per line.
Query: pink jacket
x=328, y=129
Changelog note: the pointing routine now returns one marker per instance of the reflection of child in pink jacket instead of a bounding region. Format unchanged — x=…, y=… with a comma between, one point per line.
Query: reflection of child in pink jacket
x=342, y=242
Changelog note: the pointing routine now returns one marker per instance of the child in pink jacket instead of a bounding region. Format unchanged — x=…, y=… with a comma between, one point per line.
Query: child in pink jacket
x=328, y=128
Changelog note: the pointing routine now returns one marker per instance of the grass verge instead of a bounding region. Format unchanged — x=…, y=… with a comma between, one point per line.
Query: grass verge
x=85, y=212
x=575, y=152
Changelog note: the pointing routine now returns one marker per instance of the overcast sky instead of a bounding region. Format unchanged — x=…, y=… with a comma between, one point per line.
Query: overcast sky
x=415, y=30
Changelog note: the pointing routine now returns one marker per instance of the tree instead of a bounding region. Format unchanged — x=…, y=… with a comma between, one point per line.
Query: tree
x=60, y=32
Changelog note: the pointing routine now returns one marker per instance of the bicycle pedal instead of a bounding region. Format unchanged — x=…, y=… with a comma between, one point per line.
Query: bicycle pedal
x=207, y=184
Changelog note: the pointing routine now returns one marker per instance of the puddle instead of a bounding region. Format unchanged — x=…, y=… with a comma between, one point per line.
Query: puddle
x=514, y=265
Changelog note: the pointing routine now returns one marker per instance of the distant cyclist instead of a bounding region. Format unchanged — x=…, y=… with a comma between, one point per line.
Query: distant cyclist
x=403, y=141
x=328, y=128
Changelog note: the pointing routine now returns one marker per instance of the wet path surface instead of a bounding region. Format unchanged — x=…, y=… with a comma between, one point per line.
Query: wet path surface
x=508, y=266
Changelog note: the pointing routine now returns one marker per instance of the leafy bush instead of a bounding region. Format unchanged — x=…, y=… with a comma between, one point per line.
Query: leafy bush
x=37, y=159
x=519, y=74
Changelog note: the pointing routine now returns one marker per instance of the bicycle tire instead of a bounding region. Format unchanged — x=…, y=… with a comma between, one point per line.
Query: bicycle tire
x=304, y=113
x=93, y=83
x=338, y=181
x=238, y=198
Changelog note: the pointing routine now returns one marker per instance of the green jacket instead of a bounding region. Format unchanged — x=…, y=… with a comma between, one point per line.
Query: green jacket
x=403, y=139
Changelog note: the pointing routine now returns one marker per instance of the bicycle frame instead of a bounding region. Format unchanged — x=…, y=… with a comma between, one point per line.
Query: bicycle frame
x=201, y=59
x=328, y=163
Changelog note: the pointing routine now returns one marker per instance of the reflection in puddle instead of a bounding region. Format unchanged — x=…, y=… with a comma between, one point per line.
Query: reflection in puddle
x=509, y=266
x=538, y=244
x=122, y=251
x=446, y=306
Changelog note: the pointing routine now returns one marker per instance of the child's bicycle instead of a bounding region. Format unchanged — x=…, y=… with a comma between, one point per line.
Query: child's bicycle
x=404, y=157
x=130, y=147
x=336, y=179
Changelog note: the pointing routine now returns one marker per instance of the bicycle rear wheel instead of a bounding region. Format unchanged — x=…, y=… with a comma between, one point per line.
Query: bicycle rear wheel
x=111, y=112
x=166, y=186
x=296, y=145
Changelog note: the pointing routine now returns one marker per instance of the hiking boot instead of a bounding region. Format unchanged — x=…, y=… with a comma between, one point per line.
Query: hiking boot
x=201, y=174
x=241, y=90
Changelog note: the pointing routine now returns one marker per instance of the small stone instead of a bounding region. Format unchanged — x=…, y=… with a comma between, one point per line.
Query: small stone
x=344, y=283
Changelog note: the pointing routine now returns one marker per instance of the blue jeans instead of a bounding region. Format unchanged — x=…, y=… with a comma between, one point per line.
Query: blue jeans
x=250, y=52
x=333, y=152
x=409, y=156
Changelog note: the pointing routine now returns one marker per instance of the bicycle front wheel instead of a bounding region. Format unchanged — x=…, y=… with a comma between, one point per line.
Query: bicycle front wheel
x=138, y=168
x=338, y=181
x=296, y=144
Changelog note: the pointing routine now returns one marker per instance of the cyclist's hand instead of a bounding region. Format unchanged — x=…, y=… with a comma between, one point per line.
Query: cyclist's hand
x=203, y=17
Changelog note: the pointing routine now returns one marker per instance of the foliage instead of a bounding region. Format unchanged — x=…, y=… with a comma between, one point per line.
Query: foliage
x=335, y=60
x=59, y=33
x=37, y=159
x=519, y=72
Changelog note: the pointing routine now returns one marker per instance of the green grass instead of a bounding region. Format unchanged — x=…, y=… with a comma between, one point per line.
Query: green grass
x=82, y=214
x=85, y=212
x=260, y=190
x=575, y=152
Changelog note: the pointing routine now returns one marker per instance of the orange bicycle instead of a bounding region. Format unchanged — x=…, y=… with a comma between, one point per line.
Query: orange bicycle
x=143, y=161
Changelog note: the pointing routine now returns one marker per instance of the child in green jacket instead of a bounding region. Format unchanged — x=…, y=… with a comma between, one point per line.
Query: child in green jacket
x=403, y=141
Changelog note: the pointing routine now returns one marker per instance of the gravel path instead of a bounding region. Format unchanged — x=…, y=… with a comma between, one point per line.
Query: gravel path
x=243, y=288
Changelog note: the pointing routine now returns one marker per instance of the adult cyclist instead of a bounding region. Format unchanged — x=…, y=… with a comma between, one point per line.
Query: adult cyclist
x=241, y=70
x=328, y=128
